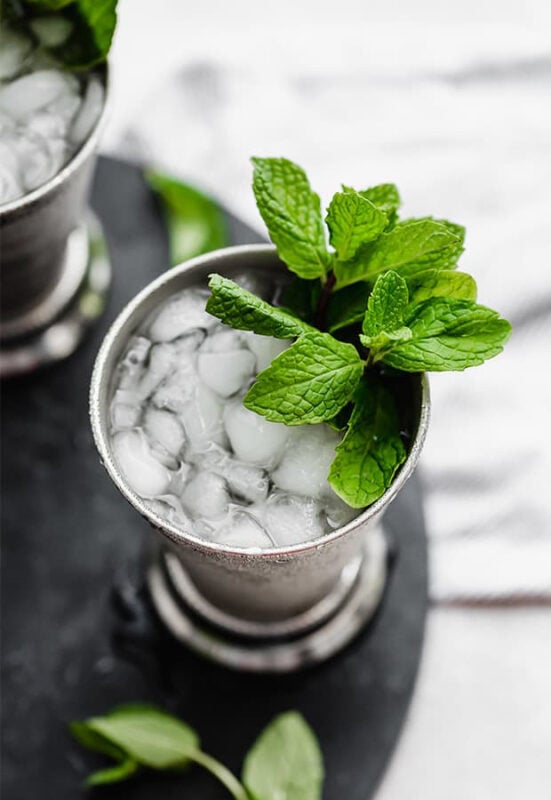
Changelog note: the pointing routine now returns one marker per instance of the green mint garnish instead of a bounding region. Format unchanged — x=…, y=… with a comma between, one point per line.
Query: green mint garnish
x=245, y=311
x=292, y=213
x=448, y=335
x=371, y=452
x=285, y=761
x=441, y=283
x=308, y=383
x=353, y=221
x=387, y=295
x=383, y=322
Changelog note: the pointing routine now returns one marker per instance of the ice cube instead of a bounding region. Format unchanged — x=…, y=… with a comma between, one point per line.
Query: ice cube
x=241, y=529
x=253, y=438
x=201, y=416
x=36, y=90
x=131, y=368
x=337, y=512
x=125, y=410
x=144, y=473
x=181, y=314
x=291, y=519
x=222, y=340
x=51, y=31
x=14, y=49
x=244, y=480
x=265, y=348
x=159, y=367
x=47, y=125
x=163, y=428
x=64, y=108
x=38, y=159
x=304, y=467
x=88, y=113
x=10, y=187
x=226, y=373
x=170, y=508
x=206, y=495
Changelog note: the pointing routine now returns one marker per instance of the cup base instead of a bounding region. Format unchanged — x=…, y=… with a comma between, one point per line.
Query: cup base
x=53, y=330
x=287, y=646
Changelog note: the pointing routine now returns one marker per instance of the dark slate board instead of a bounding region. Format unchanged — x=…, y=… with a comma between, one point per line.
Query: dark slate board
x=78, y=633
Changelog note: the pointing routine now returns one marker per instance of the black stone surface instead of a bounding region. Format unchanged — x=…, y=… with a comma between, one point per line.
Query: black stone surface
x=78, y=633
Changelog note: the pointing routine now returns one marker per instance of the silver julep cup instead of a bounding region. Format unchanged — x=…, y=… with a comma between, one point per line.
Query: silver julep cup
x=277, y=609
x=54, y=270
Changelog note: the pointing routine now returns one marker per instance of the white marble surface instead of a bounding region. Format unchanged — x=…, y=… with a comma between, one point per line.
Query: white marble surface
x=453, y=103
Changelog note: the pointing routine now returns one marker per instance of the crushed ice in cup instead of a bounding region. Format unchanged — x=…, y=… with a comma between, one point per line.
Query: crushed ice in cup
x=189, y=448
x=46, y=113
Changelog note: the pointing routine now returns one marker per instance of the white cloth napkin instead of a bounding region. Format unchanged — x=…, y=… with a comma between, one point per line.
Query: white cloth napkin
x=459, y=116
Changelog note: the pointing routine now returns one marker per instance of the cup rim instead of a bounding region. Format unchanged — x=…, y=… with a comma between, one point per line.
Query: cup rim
x=101, y=374
x=81, y=155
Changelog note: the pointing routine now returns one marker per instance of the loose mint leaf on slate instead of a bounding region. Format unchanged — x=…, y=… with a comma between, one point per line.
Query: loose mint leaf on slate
x=301, y=297
x=120, y=772
x=94, y=23
x=195, y=222
x=285, y=762
x=147, y=735
x=308, y=383
x=347, y=306
x=385, y=196
x=409, y=248
x=353, y=221
x=292, y=213
x=94, y=741
x=245, y=311
x=372, y=450
x=386, y=305
x=441, y=283
x=447, y=335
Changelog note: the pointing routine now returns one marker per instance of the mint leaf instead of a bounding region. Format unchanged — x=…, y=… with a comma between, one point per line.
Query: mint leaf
x=147, y=735
x=93, y=25
x=386, y=197
x=353, y=221
x=307, y=383
x=245, y=311
x=120, y=772
x=441, y=283
x=452, y=227
x=386, y=305
x=285, y=762
x=292, y=214
x=372, y=450
x=383, y=323
x=195, y=222
x=94, y=741
x=409, y=248
x=347, y=306
x=447, y=335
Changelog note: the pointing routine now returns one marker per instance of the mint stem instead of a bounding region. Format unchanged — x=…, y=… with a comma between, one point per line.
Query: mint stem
x=319, y=320
x=221, y=772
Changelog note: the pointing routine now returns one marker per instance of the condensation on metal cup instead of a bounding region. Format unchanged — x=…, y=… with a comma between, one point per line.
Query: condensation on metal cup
x=54, y=267
x=272, y=610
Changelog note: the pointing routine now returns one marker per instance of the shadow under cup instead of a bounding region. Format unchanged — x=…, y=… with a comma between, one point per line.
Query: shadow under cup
x=275, y=609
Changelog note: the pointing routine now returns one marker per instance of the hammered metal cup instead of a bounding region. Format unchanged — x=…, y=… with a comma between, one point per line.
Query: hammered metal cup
x=276, y=609
x=49, y=255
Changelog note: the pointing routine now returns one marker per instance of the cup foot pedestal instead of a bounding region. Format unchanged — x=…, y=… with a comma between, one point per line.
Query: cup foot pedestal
x=286, y=646
x=54, y=328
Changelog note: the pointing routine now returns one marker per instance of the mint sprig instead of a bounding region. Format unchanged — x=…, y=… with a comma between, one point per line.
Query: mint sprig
x=285, y=760
x=387, y=295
